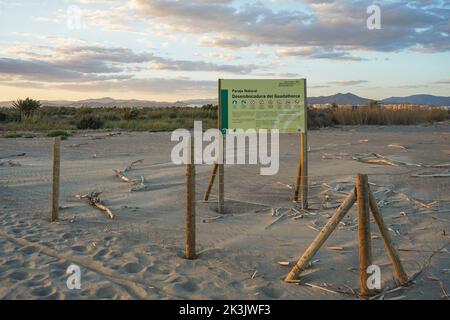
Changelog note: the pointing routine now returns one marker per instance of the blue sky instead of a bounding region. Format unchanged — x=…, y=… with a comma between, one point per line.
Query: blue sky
x=174, y=50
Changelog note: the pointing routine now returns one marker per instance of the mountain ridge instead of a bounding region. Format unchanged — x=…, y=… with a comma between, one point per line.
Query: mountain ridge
x=339, y=98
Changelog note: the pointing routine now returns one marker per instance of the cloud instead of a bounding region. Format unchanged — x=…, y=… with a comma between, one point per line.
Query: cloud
x=318, y=53
x=347, y=82
x=90, y=62
x=331, y=24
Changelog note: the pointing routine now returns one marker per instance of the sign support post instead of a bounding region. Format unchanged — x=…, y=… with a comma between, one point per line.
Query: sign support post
x=221, y=169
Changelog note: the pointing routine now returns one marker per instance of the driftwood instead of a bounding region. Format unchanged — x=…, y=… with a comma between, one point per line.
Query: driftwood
x=375, y=158
x=139, y=187
x=95, y=201
x=123, y=177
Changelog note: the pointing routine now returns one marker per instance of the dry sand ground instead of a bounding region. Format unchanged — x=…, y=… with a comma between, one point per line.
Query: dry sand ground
x=139, y=255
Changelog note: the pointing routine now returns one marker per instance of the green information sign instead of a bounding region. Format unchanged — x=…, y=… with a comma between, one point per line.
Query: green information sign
x=263, y=104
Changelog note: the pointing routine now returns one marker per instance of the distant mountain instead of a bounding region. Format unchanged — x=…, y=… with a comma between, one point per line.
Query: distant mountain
x=419, y=99
x=340, y=98
x=106, y=102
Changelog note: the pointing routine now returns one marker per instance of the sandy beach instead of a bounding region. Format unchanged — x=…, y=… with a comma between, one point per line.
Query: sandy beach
x=241, y=254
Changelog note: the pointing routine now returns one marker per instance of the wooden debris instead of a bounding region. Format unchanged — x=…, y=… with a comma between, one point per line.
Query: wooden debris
x=95, y=201
x=283, y=263
x=122, y=176
x=395, y=145
x=280, y=217
x=336, y=248
x=206, y=220
x=320, y=288
x=141, y=186
x=132, y=164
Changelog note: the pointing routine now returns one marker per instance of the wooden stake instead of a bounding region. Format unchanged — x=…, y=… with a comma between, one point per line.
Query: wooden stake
x=392, y=252
x=190, y=204
x=298, y=177
x=221, y=205
x=304, y=169
x=365, y=252
x=221, y=208
x=55, y=179
x=323, y=235
x=211, y=182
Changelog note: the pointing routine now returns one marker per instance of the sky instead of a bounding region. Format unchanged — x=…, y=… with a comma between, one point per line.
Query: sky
x=176, y=50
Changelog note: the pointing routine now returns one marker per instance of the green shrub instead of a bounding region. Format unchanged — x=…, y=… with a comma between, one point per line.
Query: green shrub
x=130, y=114
x=89, y=122
x=59, y=133
x=12, y=135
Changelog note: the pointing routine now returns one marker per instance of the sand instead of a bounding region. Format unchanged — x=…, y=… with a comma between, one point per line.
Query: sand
x=139, y=255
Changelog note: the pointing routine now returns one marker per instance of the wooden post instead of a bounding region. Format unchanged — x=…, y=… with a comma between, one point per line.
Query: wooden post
x=221, y=188
x=323, y=235
x=298, y=177
x=190, y=204
x=365, y=252
x=221, y=160
x=55, y=178
x=304, y=169
x=211, y=182
x=392, y=252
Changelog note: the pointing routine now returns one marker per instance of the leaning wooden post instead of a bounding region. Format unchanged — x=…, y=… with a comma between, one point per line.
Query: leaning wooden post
x=55, y=178
x=365, y=251
x=211, y=182
x=190, y=203
x=304, y=169
x=392, y=252
x=323, y=235
x=298, y=177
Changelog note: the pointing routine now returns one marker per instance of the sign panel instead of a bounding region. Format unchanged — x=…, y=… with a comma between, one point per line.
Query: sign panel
x=263, y=104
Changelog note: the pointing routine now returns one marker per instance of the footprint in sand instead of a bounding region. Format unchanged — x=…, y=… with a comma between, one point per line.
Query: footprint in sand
x=29, y=250
x=43, y=292
x=79, y=249
x=19, y=275
x=101, y=254
x=133, y=267
x=106, y=292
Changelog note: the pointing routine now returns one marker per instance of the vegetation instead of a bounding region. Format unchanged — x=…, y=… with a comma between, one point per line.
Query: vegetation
x=13, y=120
x=26, y=107
x=59, y=133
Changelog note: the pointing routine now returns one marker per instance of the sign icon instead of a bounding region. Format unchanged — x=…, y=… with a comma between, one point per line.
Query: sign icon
x=279, y=102
x=243, y=102
x=234, y=102
x=261, y=101
x=270, y=102
x=252, y=102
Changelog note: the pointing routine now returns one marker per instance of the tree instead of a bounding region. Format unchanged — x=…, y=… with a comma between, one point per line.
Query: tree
x=27, y=107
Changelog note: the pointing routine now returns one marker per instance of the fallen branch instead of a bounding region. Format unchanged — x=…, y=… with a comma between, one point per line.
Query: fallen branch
x=95, y=201
x=132, y=164
x=122, y=176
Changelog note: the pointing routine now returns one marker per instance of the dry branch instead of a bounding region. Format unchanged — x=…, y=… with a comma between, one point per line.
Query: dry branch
x=95, y=201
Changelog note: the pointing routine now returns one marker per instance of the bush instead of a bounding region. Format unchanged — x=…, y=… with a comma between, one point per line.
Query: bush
x=130, y=114
x=89, y=122
x=58, y=133
x=12, y=135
